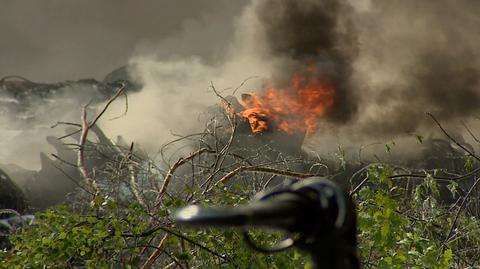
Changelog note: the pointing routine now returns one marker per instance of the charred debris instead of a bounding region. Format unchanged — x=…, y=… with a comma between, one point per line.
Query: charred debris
x=27, y=190
x=19, y=97
x=227, y=131
x=226, y=152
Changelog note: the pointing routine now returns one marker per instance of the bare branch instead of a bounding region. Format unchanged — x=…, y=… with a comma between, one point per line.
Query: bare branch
x=109, y=102
x=267, y=170
x=174, y=167
x=153, y=257
x=454, y=223
x=470, y=132
x=453, y=139
x=83, y=138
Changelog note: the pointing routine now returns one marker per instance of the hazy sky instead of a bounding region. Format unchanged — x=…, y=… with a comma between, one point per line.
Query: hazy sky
x=57, y=40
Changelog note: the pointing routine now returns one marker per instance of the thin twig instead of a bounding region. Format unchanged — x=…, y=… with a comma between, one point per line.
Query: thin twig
x=63, y=161
x=69, y=134
x=174, y=167
x=109, y=102
x=453, y=139
x=243, y=83
x=153, y=257
x=72, y=179
x=126, y=108
x=454, y=224
x=262, y=170
x=65, y=123
x=133, y=184
x=470, y=132
x=181, y=236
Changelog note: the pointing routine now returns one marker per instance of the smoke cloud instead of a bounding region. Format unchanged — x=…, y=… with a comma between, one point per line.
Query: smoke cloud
x=56, y=41
x=313, y=32
x=177, y=90
x=390, y=61
x=52, y=41
x=416, y=57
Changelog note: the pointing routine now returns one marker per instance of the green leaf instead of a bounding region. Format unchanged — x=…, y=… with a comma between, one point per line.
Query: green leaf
x=389, y=146
x=469, y=164
x=62, y=235
x=91, y=219
x=453, y=188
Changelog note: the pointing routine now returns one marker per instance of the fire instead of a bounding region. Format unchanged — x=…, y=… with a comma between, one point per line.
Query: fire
x=295, y=108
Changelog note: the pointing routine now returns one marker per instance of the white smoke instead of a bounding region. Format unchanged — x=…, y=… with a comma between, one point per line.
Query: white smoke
x=177, y=90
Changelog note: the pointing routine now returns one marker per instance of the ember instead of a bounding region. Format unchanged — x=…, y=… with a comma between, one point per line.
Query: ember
x=294, y=108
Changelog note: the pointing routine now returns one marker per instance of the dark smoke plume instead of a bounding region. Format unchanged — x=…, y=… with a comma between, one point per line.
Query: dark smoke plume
x=391, y=61
x=313, y=32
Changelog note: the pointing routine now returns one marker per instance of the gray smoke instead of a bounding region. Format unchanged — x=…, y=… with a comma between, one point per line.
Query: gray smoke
x=416, y=57
x=391, y=61
x=52, y=41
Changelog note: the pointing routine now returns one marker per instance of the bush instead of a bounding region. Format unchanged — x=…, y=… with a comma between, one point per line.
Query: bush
x=399, y=227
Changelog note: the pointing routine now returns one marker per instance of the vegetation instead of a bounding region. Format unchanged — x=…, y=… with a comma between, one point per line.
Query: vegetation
x=399, y=227
x=121, y=217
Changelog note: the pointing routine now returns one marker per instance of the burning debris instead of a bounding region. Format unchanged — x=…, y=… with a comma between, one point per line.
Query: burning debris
x=315, y=44
x=255, y=142
x=294, y=108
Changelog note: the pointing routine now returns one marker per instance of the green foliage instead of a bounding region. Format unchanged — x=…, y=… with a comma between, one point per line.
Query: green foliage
x=62, y=238
x=389, y=146
x=230, y=242
x=102, y=237
x=402, y=230
x=469, y=163
x=398, y=227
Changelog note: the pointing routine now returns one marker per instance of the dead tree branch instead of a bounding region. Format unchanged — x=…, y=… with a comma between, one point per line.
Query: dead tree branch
x=267, y=170
x=156, y=253
x=453, y=139
x=89, y=181
x=174, y=167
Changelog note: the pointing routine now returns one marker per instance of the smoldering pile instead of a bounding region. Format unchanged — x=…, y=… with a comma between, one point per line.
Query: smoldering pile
x=389, y=62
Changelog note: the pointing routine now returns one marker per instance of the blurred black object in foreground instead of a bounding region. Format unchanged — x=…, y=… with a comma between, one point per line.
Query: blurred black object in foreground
x=316, y=210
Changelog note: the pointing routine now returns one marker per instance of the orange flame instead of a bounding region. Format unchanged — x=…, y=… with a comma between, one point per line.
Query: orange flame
x=292, y=109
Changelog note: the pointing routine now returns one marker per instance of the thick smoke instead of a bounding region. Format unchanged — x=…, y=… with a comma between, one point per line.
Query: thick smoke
x=52, y=41
x=416, y=57
x=177, y=90
x=390, y=61
x=313, y=32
